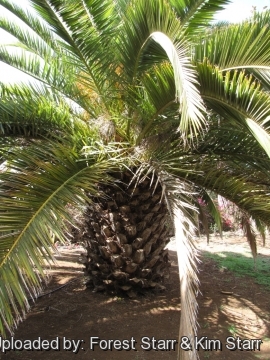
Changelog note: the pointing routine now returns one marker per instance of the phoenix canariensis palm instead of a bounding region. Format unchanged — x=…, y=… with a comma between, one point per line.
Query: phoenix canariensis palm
x=137, y=109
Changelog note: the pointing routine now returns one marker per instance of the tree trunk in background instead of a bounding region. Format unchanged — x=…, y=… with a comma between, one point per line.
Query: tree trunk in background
x=126, y=236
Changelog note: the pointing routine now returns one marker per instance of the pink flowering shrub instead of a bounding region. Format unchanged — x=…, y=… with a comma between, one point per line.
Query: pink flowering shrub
x=229, y=215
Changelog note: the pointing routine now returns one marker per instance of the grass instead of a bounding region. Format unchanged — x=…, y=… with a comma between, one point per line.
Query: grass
x=243, y=265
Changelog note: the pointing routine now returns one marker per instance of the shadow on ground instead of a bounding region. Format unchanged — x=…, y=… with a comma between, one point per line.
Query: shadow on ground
x=228, y=306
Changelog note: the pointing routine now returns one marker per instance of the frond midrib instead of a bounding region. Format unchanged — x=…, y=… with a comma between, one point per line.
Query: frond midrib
x=227, y=104
x=22, y=232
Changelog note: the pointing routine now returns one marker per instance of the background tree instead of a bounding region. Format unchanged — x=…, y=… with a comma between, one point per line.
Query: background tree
x=139, y=108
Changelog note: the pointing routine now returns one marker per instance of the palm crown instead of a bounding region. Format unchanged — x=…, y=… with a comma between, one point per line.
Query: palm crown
x=146, y=88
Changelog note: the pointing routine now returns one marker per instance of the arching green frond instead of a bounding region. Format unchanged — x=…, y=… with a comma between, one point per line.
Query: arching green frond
x=236, y=97
x=196, y=14
x=149, y=22
x=32, y=21
x=43, y=179
x=160, y=87
x=122, y=6
x=263, y=76
x=191, y=105
x=82, y=49
x=137, y=49
x=226, y=143
x=262, y=136
x=158, y=99
x=243, y=180
x=55, y=73
x=90, y=39
x=213, y=210
x=28, y=40
x=249, y=231
x=250, y=196
x=238, y=46
x=31, y=113
x=95, y=17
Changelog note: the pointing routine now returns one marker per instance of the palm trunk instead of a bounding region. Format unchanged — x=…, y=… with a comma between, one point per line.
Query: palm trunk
x=127, y=234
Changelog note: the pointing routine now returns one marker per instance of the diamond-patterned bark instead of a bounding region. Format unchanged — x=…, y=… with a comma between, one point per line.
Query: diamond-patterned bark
x=127, y=233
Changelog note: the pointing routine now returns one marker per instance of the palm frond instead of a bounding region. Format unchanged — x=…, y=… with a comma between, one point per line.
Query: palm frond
x=159, y=86
x=263, y=76
x=191, y=105
x=150, y=23
x=262, y=229
x=238, y=46
x=238, y=98
x=213, y=210
x=42, y=180
x=180, y=199
x=27, y=40
x=242, y=181
x=54, y=72
x=261, y=135
x=225, y=143
x=76, y=50
x=31, y=111
x=158, y=100
x=90, y=39
x=196, y=14
x=250, y=196
x=33, y=22
x=250, y=235
x=188, y=263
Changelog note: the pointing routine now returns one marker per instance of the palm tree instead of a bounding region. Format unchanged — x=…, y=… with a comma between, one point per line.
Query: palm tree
x=138, y=108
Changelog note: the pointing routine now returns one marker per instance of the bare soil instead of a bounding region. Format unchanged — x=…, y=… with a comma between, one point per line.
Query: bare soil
x=228, y=306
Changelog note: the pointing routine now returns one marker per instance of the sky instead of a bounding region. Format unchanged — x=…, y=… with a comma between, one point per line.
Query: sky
x=239, y=10
x=236, y=11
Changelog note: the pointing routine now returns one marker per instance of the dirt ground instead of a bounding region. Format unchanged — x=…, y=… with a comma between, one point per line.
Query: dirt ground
x=229, y=306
